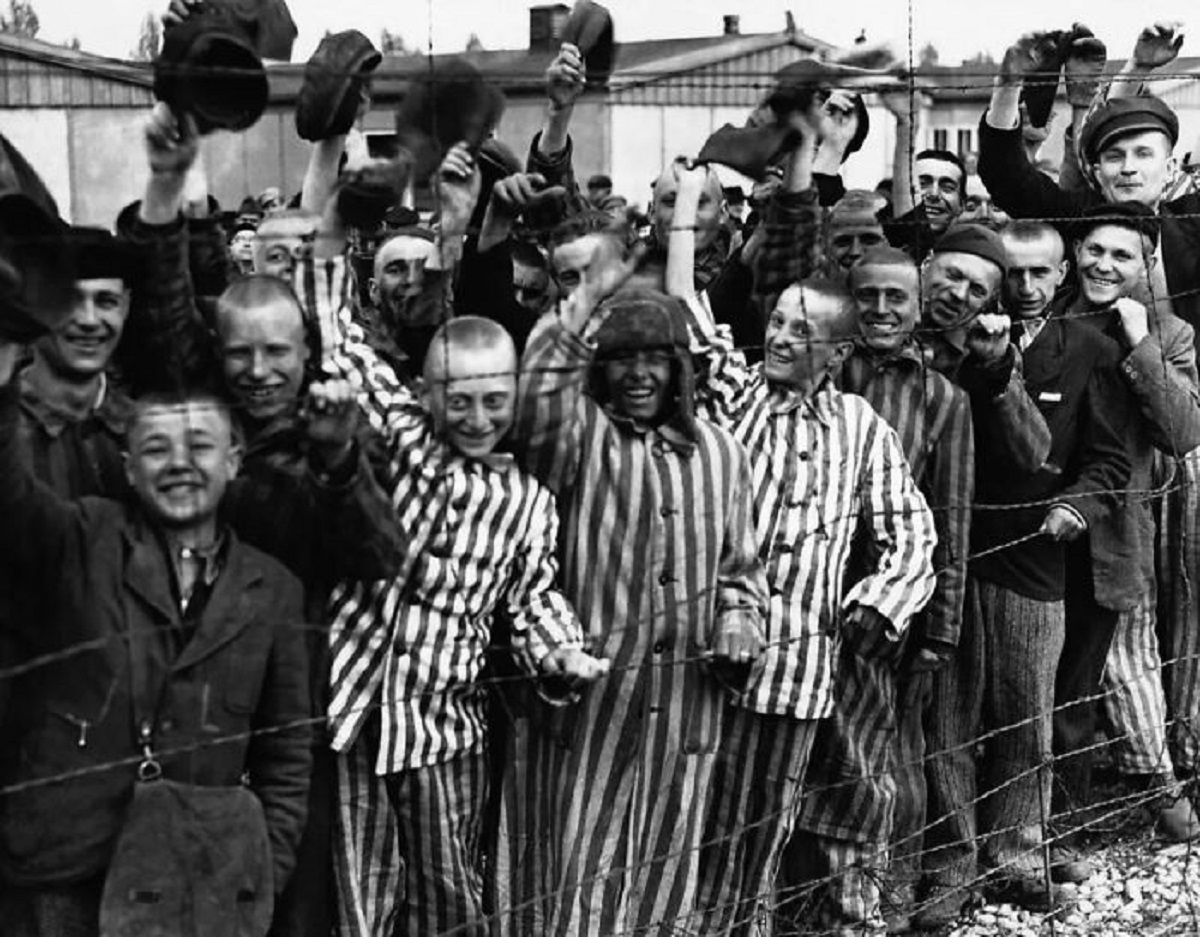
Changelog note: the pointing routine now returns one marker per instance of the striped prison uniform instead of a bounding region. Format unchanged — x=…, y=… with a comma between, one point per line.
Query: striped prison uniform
x=1179, y=610
x=868, y=768
x=605, y=804
x=1134, y=699
x=825, y=468
x=482, y=536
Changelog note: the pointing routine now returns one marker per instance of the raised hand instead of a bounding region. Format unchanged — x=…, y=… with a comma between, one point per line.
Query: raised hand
x=606, y=272
x=1033, y=53
x=514, y=194
x=988, y=337
x=179, y=10
x=566, y=77
x=172, y=142
x=1086, y=56
x=458, y=186
x=330, y=415
x=1158, y=44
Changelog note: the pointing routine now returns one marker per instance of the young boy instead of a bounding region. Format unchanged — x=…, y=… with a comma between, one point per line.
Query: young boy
x=483, y=535
x=162, y=588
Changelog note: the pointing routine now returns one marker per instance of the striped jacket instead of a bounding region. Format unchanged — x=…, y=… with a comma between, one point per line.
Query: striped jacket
x=658, y=556
x=824, y=468
x=932, y=419
x=482, y=536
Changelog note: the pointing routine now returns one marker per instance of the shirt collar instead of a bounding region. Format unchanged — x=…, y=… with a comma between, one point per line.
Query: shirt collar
x=668, y=432
x=819, y=403
x=111, y=408
x=908, y=353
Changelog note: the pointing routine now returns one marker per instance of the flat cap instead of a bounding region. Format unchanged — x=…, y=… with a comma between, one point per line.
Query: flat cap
x=1118, y=116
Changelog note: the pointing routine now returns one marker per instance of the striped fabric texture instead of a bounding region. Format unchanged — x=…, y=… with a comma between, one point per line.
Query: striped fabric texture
x=1134, y=698
x=482, y=540
x=821, y=467
x=657, y=556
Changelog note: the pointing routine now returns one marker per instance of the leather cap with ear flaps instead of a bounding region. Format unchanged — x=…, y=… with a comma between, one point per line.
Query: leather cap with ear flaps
x=209, y=67
x=37, y=274
x=590, y=28
x=333, y=81
x=451, y=105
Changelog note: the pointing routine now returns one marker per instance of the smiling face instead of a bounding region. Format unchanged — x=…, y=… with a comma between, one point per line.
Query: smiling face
x=803, y=337
x=1135, y=168
x=263, y=355
x=958, y=287
x=82, y=347
x=940, y=185
x=1111, y=261
x=399, y=277
x=471, y=393
x=886, y=301
x=280, y=242
x=1036, y=268
x=853, y=237
x=181, y=458
x=639, y=384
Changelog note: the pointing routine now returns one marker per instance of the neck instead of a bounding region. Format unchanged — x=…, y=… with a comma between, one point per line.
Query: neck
x=74, y=394
x=201, y=536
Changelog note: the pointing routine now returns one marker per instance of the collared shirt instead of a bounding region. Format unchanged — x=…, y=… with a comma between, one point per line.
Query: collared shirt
x=932, y=418
x=482, y=536
x=823, y=467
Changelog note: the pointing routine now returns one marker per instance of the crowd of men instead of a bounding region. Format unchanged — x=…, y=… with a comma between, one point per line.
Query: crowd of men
x=544, y=569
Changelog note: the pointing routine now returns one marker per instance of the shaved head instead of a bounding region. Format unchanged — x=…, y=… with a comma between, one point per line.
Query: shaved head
x=467, y=339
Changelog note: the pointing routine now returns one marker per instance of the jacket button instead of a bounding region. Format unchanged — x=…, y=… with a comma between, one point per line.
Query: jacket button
x=665, y=578
x=659, y=647
x=804, y=456
x=666, y=512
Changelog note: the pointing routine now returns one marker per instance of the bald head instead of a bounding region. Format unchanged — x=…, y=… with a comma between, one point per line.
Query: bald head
x=709, y=215
x=471, y=384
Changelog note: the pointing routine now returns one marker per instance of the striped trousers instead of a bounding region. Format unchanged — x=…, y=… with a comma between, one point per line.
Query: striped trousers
x=755, y=799
x=1001, y=678
x=439, y=815
x=367, y=869
x=1179, y=611
x=913, y=696
x=849, y=797
x=1134, y=698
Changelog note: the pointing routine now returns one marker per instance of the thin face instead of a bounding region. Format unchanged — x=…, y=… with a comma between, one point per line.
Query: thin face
x=940, y=185
x=263, y=355
x=84, y=344
x=958, y=287
x=241, y=247
x=531, y=287
x=399, y=276
x=571, y=260
x=886, y=301
x=1035, y=270
x=1111, y=264
x=978, y=205
x=1135, y=168
x=639, y=383
x=181, y=458
x=471, y=394
x=280, y=244
x=799, y=342
x=709, y=215
x=849, y=240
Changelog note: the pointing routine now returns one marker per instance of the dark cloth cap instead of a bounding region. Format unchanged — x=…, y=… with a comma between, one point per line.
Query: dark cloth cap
x=267, y=23
x=1118, y=116
x=36, y=263
x=366, y=193
x=210, y=68
x=101, y=255
x=973, y=239
x=333, y=81
x=1132, y=215
x=452, y=104
x=600, y=181
x=590, y=28
x=641, y=320
x=749, y=150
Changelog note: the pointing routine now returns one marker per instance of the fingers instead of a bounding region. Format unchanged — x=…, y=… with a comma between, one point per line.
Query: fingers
x=458, y=163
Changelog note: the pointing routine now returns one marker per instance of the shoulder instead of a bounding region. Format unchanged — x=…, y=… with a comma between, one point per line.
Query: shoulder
x=283, y=591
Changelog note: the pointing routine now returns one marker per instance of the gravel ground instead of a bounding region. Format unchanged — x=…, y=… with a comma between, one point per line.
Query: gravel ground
x=1142, y=887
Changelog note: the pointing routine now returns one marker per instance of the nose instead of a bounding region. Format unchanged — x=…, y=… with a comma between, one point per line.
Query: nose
x=477, y=417
x=959, y=289
x=85, y=313
x=1026, y=285
x=258, y=365
x=179, y=456
x=881, y=303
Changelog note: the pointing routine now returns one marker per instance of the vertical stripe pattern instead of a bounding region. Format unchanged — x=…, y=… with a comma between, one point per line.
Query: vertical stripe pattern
x=657, y=555
x=1134, y=698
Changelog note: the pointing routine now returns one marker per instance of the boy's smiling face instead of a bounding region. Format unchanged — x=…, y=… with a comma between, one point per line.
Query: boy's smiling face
x=471, y=394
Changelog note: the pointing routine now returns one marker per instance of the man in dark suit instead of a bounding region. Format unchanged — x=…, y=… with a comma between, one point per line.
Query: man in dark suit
x=1014, y=621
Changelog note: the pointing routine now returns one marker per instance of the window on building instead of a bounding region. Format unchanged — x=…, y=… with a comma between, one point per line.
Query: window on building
x=939, y=138
x=964, y=142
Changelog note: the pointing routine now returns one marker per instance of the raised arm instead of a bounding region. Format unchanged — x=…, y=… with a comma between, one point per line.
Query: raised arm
x=1157, y=45
x=1160, y=372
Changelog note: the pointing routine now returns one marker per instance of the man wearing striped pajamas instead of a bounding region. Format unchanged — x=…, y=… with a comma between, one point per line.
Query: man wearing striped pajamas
x=658, y=557
x=824, y=467
x=866, y=764
x=482, y=541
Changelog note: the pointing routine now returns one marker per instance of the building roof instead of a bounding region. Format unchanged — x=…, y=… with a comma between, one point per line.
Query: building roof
x=523, y=70
x=35, y=50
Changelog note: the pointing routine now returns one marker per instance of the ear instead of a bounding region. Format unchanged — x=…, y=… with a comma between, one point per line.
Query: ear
x=233, y=460
x=127, y=464
x=373, y=291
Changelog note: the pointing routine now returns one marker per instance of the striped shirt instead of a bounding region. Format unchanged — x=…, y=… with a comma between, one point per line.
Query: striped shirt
x=823, y=469
x=482, y=537
x=932, y=419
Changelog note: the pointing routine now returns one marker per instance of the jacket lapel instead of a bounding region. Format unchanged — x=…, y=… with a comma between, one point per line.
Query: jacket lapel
x=146, y=573
x=1042, y=360
x=225, y=616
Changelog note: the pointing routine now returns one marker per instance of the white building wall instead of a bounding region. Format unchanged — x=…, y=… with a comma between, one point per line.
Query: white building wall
x=42, y=137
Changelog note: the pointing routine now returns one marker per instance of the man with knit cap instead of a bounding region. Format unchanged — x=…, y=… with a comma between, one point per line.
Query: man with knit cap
x=606, y=802
x=1003, y=674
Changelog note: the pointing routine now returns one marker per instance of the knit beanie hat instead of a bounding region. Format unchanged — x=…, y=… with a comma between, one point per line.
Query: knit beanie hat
x=973, y=239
